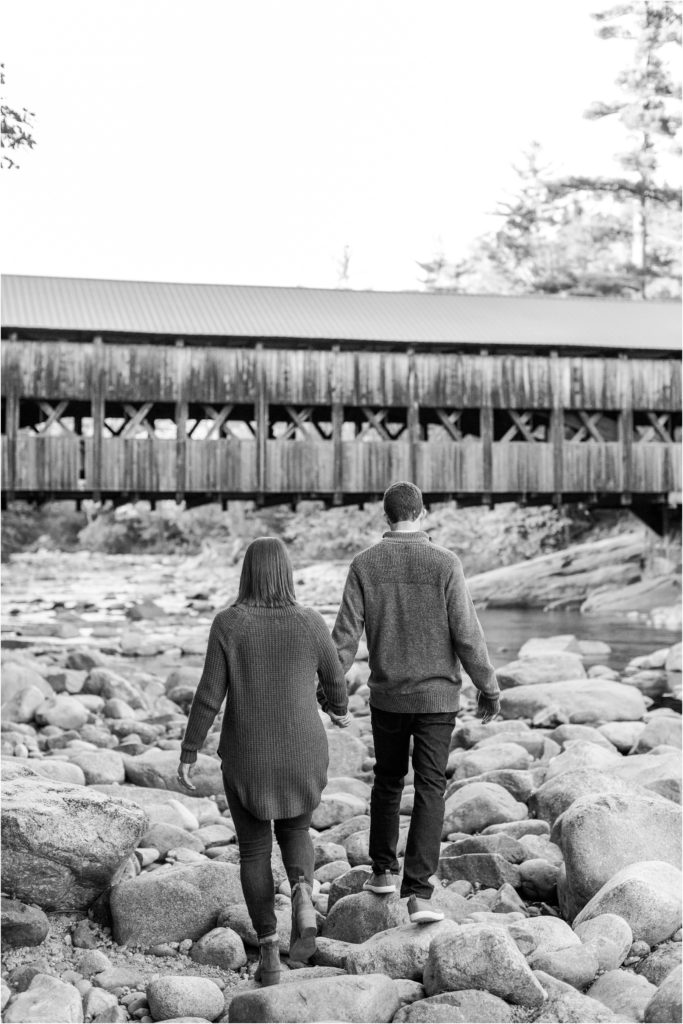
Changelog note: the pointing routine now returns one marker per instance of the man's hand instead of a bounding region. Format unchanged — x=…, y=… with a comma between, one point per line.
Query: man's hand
x=341, y=721
x=184, y=771
x=487, y=708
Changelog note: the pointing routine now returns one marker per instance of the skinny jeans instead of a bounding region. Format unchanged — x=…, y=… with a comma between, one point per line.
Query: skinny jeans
x=255, y=841
x=431, y=736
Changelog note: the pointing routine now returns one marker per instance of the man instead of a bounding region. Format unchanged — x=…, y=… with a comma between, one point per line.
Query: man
x=420, y=623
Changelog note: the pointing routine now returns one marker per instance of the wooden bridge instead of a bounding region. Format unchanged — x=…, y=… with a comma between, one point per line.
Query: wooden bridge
x=124, y=390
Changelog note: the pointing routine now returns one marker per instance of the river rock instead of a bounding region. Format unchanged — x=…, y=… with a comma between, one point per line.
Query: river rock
x=173, y=903
x=347, y=753
x=353, y=998
x=348, y=784
x=55, y=769
x=517, y=829
x=348, y=883
x=222, y=947
x=609, y=937
x=469, y=1005
x=601, y=833
x=481, y=869
x=105, y=683
x=98, y=1004
x=659, y=732
x=549, y=934
x=622, y=735
x=531, y=670
x=625, y=994
x=564, y=734
x=579, y=701
x=158, y=769
x=338, y=833
x=46, y=999
x=100, y=766
x=164, y=837
x=555, y=795
x=171, y=997
x=479, y=804
x=660, y=962
x=336, y=807
x=64, y=844
x=357, y=847
x=357, y=917
x=483, y=957
x=565, y=1003
x=659, y=772
x=22, y=925
x=647, y=895
x=398, y=952
x=161, y=805
x=666, y=1004
x=578, y=754
x=471, y=732
x=18, y=676
x=499, y=843
x=577, y=965
x=22, y=705
x=489, y=758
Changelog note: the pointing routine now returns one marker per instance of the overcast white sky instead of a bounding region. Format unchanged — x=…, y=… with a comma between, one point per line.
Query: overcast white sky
x=249, y=141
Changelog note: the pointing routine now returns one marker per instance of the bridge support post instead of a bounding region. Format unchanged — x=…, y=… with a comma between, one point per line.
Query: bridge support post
x=97, y=412
x=626, y=428
x=181, y=421
x=12, y=430
x=413, y=417
x=337, y=408
x=486, y=429
x=261, y=417
x=557, y=427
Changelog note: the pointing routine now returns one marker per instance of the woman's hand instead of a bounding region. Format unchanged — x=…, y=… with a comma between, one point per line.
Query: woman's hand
x=184, y=771
x=341, y=721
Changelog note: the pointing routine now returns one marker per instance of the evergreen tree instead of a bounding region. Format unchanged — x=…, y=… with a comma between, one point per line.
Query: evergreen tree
x=15, y=128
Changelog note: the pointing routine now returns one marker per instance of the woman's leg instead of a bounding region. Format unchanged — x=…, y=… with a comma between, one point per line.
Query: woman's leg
x=296, y=845
x=255, y=840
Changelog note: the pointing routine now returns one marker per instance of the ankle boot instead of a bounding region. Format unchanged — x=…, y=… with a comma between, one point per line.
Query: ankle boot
x=304, y=923
x=268, y=969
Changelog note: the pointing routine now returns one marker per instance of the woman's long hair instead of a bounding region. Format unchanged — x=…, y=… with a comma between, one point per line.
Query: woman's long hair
x=267, y=579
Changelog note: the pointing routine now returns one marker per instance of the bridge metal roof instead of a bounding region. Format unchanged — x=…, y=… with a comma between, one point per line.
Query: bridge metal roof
x=264, y=312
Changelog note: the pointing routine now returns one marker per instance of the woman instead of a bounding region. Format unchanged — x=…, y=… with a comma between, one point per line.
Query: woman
x=263, y=655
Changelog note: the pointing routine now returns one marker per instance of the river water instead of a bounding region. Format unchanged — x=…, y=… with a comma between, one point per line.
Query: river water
x=507, y=629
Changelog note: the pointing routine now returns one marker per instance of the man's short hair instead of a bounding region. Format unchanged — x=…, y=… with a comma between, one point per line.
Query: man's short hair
x=402, y=502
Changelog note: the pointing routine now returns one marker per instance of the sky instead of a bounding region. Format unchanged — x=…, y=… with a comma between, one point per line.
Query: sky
x=250, y=141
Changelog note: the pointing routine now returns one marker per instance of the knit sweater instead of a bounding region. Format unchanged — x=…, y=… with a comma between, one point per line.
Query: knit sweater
x=420, y=624
x=273, y=745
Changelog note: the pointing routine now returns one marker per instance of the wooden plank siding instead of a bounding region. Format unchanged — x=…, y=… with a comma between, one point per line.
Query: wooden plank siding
x=256, y=384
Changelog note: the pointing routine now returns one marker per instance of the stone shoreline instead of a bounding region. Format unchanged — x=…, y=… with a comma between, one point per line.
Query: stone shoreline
x=559, y=873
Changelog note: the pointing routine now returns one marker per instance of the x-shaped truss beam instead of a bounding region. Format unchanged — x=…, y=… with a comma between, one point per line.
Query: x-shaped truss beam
x=54, y=415
x=658, y=430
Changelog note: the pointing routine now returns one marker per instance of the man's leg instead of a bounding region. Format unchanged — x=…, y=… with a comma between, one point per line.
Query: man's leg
x=391, y=736
x=431, y=746
x=255, y=841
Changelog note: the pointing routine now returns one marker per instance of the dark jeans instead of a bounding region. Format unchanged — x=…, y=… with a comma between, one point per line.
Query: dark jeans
x=255, y=839
x=431, y=734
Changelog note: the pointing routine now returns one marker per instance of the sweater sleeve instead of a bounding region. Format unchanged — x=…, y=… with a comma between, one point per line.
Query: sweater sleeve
x=210, y=694
x=350, y=620
x=331, y=692
x=467, y=635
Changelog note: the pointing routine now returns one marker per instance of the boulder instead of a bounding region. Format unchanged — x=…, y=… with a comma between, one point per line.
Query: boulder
x=673, y=658
x=163, y=838
x=357, y=917
x=548, y=934
x=517, y=829
x=601, y=833
x=222, y=947
x=534, y=669
x=483, y=957
x=54, y=769
x=46, y=999
x=488, y=870
x=579, y=701
x=659, y=732
x=660, y=962
x=609, y=937
x=479, y=804
x=198, y=808
x=235, y=916
x=170, y=997
x=105, y=683
x=173, y=903
x=622, y=735
x=500, y=843
x=63, y=845
x=336, y=807
x=490, y=758
x=564, y=734
x=469, y=1005
x=565, y=1003
x=98, y=1004
x=22, y=925
x=398, y=952
x=348, y=883
x=626, y=994
x=648, y=897
x=100, y=766
x=555, y=795
x=347, y=753
x=471, y=732
x=537, y=646
x=347, y=784
x=158, y=769
x=579, y=754
x=352, y=998
x=666, y=1004
x=660, y=773
x=577, y=965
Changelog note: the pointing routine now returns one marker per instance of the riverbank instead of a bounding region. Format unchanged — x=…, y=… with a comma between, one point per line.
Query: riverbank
x=126, y=897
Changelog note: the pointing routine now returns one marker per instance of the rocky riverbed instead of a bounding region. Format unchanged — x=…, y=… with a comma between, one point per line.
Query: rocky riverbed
x=560, y=867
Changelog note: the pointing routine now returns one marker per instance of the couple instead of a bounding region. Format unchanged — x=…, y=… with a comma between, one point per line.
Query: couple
x=263, y=654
